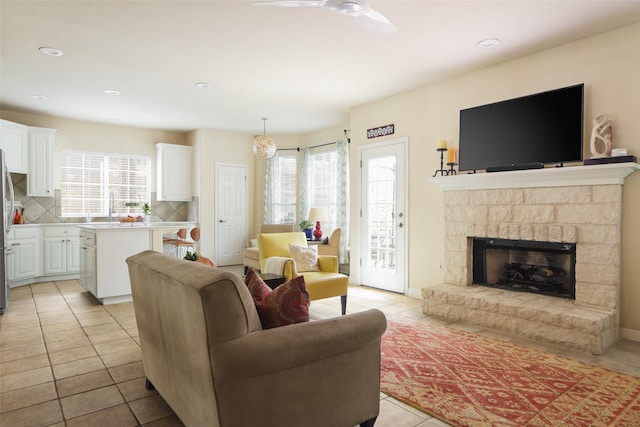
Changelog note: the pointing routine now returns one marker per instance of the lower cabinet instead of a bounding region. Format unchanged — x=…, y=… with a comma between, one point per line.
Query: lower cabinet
x=88, y=277
x=61, y=250
x=103, y=268
x=22, y=255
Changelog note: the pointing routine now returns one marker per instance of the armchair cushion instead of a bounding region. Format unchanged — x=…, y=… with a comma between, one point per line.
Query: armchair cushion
x=306, y=258
x=285, y=305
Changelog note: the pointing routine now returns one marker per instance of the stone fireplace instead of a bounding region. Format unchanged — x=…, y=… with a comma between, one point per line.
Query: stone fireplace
x=579, y=206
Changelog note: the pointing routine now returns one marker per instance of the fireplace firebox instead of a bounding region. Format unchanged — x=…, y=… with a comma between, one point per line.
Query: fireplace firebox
x=546, y=268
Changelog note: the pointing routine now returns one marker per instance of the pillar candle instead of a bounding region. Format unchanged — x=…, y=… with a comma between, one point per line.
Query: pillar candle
x=451, y=155
x=442, y=144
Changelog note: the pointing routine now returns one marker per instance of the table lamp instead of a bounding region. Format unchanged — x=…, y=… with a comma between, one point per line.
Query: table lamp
x=317, y=215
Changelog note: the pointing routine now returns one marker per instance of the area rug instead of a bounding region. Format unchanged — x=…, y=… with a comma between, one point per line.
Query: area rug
x=466, y=379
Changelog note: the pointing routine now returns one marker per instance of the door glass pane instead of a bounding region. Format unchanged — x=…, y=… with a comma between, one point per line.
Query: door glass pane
x=381, y=214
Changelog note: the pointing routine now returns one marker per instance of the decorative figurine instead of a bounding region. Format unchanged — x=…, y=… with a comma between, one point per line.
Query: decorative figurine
x=601, y=137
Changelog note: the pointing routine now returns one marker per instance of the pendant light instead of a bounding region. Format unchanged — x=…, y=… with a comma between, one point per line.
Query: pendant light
x=264, y=146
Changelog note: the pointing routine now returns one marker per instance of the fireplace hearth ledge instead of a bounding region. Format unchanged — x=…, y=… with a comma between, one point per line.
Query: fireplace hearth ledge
x=614, y=173
x=538, y=317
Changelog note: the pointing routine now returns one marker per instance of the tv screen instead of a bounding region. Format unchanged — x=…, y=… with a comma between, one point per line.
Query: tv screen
x=532, y=130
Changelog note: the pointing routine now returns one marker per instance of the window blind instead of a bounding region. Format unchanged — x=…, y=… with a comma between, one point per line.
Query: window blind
x=87, y=179
x=285, y=194
x=324, y=169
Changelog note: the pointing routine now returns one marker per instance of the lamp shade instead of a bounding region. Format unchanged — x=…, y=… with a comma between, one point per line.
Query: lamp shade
x=318, y=214
x=264, y=146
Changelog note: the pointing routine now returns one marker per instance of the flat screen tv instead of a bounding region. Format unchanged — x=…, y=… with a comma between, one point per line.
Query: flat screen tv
x=525, y=132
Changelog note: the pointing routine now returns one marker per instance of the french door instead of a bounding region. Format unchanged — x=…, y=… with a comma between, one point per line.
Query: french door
x=383, y=176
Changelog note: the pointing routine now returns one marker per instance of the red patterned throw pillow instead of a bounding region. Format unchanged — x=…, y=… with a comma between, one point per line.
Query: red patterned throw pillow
x=285, y=305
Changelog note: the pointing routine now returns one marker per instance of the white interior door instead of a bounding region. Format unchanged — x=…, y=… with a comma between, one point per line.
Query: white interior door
x=383, y=262
x=231, y=213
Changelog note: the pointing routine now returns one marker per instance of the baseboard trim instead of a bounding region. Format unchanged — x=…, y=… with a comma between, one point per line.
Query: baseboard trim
x=630, y=334
x=414, y=293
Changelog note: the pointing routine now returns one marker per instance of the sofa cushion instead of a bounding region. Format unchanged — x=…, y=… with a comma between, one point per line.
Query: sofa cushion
x=306, y=258
x=285, y=305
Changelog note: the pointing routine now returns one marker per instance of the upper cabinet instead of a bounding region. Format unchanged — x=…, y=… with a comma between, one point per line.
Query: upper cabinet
x=173, y=172
x=29, y=150
x=40, y=175
x=14, y=141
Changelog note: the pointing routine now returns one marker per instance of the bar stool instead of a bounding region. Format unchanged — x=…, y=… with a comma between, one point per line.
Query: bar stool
x=182, y=245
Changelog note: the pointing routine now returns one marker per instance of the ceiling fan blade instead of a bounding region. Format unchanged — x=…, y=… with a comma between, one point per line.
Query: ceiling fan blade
x=375, y=21
x=292, y=3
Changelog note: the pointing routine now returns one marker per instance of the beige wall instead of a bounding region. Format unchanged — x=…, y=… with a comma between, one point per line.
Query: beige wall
x=608, y=64
x=211, y=146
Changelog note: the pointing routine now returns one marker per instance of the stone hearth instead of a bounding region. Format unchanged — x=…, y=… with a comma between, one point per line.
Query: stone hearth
x=581, y=205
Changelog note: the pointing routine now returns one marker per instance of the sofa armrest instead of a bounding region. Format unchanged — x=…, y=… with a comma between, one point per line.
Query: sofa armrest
x=287, y=347
x=328, y=263
x=253, y=243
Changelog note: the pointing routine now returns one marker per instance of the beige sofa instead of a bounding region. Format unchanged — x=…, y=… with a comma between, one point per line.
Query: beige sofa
x=205, y=352
x=332, y=247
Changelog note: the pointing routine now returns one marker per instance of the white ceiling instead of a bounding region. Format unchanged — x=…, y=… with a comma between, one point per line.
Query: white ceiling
x=303, y=69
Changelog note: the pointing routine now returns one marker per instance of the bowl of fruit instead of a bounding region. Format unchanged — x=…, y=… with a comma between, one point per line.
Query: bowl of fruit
x=132, y=220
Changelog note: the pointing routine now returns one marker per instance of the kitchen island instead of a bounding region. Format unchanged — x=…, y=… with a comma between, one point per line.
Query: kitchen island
x=104, y=248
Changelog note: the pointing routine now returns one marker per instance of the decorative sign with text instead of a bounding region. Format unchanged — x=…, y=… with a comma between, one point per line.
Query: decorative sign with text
x=381, y=131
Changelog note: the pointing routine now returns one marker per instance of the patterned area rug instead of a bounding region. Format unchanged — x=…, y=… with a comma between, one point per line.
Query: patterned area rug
x=470, y=380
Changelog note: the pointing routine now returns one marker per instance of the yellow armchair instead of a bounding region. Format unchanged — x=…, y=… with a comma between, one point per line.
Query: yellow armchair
x=326, y=283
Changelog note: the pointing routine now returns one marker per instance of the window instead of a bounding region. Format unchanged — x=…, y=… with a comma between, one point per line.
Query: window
x=324, y=169
x=88, y=179
x=284, y=206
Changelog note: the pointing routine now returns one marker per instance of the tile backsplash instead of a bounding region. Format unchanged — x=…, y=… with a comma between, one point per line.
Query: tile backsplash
x=47, y=210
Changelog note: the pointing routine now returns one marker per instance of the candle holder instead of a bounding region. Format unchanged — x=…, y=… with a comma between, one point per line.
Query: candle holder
x=451, y=170
x=442, y=171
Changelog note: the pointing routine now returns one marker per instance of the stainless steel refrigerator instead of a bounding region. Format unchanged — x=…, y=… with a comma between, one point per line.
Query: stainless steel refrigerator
x=6, y=209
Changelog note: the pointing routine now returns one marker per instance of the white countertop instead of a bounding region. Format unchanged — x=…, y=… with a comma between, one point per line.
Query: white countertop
x=136, y=225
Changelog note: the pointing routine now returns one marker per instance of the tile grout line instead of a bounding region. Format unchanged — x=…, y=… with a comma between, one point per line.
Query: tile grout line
x=114, y=383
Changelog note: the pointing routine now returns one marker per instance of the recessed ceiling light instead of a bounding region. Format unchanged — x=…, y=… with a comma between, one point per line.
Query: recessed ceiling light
x=112, y=92
x=203, y=85
x=40, y=97
x=51, y=51
x=488, y=42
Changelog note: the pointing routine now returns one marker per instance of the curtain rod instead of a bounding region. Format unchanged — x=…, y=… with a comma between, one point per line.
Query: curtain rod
x=319, y=145
x=313, y=146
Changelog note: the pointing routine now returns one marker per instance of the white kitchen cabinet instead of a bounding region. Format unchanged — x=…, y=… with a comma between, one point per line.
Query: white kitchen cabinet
x=173, y=171
x=22, y=257
x=14, y=142
x=88, y=277
x=103, y=267
x=61, y=250
x=40, y=175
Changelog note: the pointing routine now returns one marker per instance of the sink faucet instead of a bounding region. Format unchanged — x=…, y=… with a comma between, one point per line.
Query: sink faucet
x=111, y=203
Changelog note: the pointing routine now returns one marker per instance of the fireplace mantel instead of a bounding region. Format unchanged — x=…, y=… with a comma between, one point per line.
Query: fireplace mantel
x=613, y=173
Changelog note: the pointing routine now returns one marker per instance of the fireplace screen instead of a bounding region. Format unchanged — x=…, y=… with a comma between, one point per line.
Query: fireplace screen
x=546, y=268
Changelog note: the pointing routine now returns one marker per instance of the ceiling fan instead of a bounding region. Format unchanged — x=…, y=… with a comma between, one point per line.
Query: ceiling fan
x=360, y=10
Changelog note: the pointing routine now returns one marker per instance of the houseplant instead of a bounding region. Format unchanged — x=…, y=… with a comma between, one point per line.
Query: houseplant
x=307, y=227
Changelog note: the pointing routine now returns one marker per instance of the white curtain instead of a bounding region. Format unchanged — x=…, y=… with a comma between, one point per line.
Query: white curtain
x=342, y=198
x=269, y=190
x=304, y=185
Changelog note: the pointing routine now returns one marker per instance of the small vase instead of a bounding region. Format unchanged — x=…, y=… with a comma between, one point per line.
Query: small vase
x=309, y=233
x=317, y=233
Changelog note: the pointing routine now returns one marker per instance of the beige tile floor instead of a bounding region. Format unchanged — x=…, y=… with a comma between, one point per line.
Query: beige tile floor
x=66, y=360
